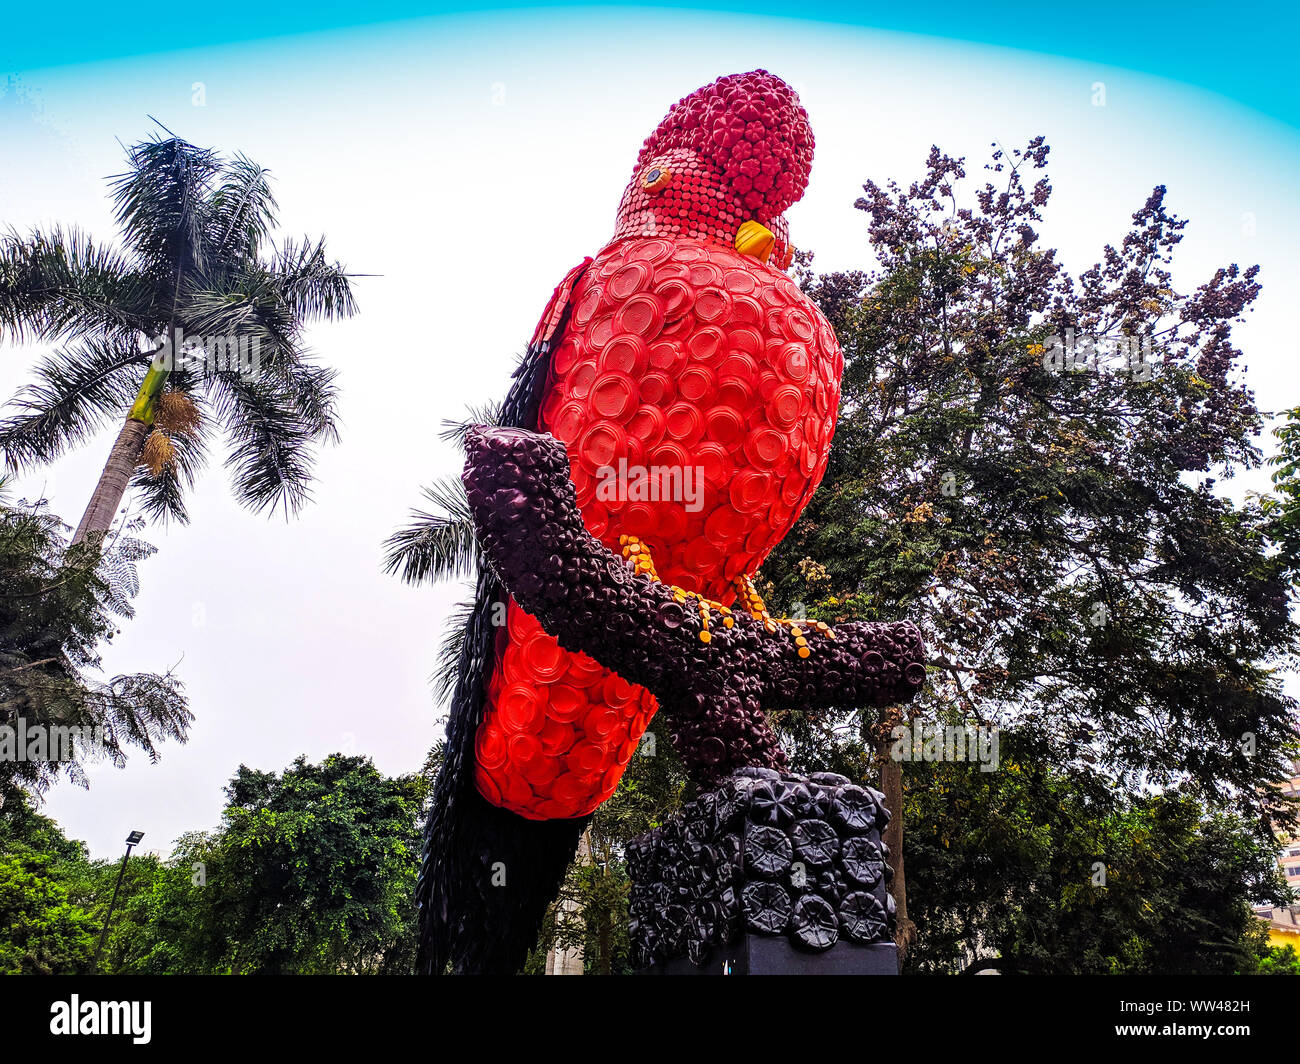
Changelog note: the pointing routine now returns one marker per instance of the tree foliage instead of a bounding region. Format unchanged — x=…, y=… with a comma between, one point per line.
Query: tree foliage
x=1054, y=524
x=57, y=610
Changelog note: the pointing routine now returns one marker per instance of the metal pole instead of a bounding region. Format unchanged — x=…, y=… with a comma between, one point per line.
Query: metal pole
x=116, y=887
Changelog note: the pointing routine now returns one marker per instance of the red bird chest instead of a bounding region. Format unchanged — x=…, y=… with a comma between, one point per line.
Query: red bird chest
x=696, y=390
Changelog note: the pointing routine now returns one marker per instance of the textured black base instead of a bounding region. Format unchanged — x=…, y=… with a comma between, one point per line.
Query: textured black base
x=759, y=955
x=770, y=856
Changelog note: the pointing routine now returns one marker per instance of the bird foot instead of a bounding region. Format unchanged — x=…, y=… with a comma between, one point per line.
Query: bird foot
x=638, y=555
x=753, y=602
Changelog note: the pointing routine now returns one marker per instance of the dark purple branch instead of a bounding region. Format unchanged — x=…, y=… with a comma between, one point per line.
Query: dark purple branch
x=531, y=532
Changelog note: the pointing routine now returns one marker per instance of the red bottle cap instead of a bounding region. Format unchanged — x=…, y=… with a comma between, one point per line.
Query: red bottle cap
x=543, y=656
x=647, y=425
x=725, y=425
x=701, y=556
x=524, y=747
x=746, y=310
x=628, y=280
x=676, y=295
x=522, y=708
x=764, y=446
x=739, y=282
x=705, y=343
x=666, y=355
x=566, y=704
x=685, y=423
x=712, y=304
x=657, y=388
x=624, y=354
x=568, y=422
x=794, y=357
x=785, y=405
x=716, y=460
x=642, y=314
x=726, y=527
x=489, y=746
x=695, y=383
x=581, y=380
x=750, y=491
x=614, y=395
x=557, y=738
x=601, y=445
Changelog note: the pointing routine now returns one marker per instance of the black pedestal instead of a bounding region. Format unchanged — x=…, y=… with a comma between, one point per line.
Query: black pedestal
x=769, y=874
x=759, y=955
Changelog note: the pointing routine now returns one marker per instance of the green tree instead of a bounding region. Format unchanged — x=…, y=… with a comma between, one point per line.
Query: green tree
x=313, y=871
x=45, y=929
x=46, y=933
x=58, y=607
x=1026, y=465
x=1051, y=873
x=196, y=271
x=1281, y=960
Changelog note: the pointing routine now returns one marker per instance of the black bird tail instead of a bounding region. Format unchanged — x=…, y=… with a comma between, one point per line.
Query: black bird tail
x=487, y=874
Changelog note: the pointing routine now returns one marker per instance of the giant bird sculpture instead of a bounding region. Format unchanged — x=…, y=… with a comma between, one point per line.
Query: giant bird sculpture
x=694, y=390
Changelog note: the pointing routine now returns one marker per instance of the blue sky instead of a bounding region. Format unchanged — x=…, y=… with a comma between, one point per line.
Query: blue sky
x=470, y=160
x=1243, y=51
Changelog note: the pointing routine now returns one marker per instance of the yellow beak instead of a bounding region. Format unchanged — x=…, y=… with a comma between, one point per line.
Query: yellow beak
x=754, y=238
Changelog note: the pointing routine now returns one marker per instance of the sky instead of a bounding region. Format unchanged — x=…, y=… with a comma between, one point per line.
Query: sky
x=468, y=160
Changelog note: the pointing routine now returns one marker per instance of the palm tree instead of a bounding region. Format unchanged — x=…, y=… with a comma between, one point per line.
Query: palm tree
x=197, y=321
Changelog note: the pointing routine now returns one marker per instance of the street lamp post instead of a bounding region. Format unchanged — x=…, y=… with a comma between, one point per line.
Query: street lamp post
x=131, y=840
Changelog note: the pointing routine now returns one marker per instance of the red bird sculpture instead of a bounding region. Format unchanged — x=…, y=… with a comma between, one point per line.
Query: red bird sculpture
x=696, y=390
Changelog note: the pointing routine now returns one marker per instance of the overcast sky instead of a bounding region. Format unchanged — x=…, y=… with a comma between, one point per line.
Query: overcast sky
x=470, y=162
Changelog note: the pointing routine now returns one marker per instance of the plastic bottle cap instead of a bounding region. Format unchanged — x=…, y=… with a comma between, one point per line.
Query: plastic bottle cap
x=628, y=280
x=614, y=395
x=642, y=314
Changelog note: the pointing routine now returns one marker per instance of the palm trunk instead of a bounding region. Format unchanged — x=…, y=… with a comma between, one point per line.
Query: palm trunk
x=891, y=782
x=124, y=457
x=122, y=460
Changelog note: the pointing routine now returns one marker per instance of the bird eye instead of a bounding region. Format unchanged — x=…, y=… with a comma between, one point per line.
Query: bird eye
x=656, y=178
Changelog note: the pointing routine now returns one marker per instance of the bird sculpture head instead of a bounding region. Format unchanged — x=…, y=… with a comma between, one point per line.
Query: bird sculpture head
x=723, y=166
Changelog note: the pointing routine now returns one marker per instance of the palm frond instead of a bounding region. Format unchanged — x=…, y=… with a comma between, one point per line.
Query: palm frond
x=315, y=397
x=457, y=431
x=59, y=283
x=447, y=670
x=435, y=546
x=310, y=285
x=242, y=304
x=162, y=204
x=77, y=391
x=162, y=494
x=242, y=210
x=270, y=455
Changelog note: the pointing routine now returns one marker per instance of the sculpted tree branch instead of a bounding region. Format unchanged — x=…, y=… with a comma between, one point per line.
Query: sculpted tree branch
x=712, y=672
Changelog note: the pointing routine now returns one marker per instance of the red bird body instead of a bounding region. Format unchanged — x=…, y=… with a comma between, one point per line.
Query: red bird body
x=675, y=360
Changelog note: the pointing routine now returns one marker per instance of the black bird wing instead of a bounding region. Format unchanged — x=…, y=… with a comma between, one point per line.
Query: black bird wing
x=486, y=874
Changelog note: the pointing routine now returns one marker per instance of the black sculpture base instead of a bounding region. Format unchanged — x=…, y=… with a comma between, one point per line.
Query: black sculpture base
x=770, y=873
x=760, y=955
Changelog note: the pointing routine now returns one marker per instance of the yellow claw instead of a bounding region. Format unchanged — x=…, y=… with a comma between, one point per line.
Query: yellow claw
x=753, y=602
x=639, y=555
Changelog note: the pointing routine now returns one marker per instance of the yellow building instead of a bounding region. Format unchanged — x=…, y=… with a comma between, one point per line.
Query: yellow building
x=1284, y=921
